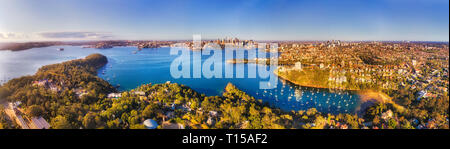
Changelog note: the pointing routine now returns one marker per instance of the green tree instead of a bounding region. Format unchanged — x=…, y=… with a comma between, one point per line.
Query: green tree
x=4, y=92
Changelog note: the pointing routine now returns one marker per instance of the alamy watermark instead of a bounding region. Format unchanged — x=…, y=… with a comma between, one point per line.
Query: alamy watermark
x=264, y=56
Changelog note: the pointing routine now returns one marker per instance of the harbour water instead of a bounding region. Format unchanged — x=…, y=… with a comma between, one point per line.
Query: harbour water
x=130, y=68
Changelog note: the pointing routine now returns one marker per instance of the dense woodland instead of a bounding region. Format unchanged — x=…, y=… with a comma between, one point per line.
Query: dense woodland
x=175, y=104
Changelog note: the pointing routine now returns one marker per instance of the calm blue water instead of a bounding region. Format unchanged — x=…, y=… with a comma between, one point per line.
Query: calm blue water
x=153, y=66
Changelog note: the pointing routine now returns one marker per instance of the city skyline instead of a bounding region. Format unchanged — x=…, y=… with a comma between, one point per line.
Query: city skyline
x=398, y=20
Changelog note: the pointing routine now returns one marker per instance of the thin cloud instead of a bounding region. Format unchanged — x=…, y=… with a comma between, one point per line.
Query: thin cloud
x=13, y=36
x=75, y=35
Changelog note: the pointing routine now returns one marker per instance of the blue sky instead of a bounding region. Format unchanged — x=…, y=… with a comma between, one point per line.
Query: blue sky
x=425, y=20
